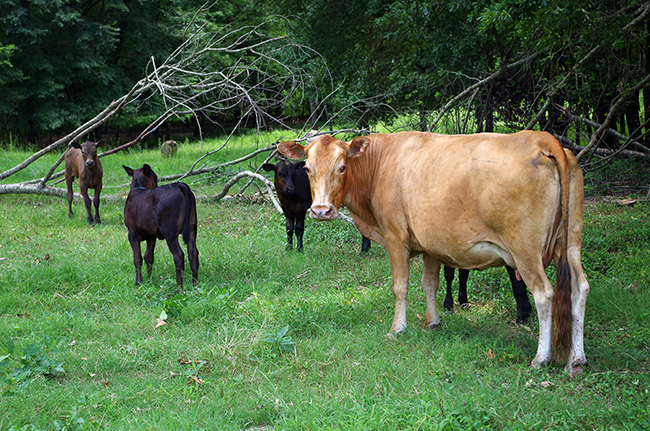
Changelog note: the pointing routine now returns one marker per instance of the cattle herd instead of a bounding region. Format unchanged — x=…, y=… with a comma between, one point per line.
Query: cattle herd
x=462, y=201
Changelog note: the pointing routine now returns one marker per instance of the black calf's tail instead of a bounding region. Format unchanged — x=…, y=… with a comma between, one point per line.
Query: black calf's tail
x=190, y=208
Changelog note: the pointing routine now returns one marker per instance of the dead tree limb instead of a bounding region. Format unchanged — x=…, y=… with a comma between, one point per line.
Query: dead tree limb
x=269, y=187
x=212, y=74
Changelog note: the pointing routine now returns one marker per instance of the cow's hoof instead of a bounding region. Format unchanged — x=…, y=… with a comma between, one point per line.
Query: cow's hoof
x=433, y=326
x=575, y=368
x=536, y=363
x=391, y=336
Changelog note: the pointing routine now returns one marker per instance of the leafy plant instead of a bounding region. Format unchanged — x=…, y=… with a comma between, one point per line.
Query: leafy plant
x=281, y=339
x=38, y=359
x=175, y=304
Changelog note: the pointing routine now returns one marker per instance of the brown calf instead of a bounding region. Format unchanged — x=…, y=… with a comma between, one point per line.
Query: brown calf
x=164, y=212
x=82, y=161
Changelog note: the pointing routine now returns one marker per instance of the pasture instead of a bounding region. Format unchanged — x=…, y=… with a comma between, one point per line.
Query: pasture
x=276, y=340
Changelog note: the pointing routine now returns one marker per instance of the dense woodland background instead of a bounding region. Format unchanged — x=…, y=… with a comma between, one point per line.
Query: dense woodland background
x=579, y=69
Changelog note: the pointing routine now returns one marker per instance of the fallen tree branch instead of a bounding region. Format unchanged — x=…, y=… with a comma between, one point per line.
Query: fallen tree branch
x=269, y=187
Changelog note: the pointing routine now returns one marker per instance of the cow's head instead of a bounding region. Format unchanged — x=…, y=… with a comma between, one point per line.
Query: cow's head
x=284, y=175
x=89, y=151
x=327, y=167
x=143, y=178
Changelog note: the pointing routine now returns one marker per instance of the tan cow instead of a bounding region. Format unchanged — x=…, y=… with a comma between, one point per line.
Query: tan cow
x=467, y=201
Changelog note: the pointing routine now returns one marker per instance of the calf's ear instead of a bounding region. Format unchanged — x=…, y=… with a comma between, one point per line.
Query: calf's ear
x=75, y=144
x=146, y=169
x=128, y=170
x=299, y=165
x=292, y=150
x=268, y=167
x=100, y=143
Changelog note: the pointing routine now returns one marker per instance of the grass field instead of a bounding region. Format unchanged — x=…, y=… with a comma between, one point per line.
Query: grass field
x=276, y=340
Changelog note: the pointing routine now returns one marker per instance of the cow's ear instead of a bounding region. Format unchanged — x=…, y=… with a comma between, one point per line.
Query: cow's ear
x=299, y=165
x=292, y=150
x=75, y=144
x=100, y=143
x=128, y=170
x=358, y=146
x=146, y=169
x=268, y=167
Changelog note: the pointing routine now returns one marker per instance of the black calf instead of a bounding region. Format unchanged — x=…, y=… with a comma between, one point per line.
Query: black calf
x=292, y=186
x=164, y=212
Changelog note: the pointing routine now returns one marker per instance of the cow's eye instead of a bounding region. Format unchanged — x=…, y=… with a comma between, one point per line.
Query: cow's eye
x=307, y=170
x=342, y=169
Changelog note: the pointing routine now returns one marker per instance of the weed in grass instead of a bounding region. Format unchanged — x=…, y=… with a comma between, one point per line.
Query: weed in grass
x=18, y=371
x=281, y=340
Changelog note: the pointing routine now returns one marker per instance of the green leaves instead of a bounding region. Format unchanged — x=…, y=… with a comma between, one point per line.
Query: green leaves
x=17, y=371
x=281, y=340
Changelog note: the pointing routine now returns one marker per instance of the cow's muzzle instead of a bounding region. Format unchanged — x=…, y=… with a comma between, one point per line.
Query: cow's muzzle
x=323, y=212
x=90, y=163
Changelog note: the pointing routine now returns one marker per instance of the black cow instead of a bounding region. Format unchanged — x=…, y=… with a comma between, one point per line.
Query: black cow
x=292, y=186
x=164, y=212
x=518, y=290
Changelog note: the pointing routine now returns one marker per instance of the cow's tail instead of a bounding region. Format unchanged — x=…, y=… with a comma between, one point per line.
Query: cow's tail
x=562, y=316
x=190, y=210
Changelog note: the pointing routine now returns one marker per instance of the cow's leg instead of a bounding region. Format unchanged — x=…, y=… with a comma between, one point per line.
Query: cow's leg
x=98, y=190
x=137, y=256
x=521, y=296
x=89, y=211
x=399, y=265
x=193, y=255
x=430, y=280
x=148, y=255
x=543, y=294
x=579, y=285
x=580, y=290
x=68, y=182
x=365, y=244
x=463, y=275
x=289, y=226
x=179, y=258
x=299, y=228
x=449, y=278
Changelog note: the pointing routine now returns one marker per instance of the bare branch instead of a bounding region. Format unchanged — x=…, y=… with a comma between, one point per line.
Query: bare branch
x=269, y=187
x=610, y=115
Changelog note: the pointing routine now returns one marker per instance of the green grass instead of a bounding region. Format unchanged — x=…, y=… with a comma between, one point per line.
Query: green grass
x=215, y=365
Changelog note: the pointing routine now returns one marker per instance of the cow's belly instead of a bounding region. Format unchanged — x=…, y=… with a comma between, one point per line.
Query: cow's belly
x=467, y=254
x=480, y=256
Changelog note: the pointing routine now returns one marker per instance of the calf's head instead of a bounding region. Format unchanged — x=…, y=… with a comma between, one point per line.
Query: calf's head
x=89, y=152
x=143, y=178
x=327, y=167
x=284, y=175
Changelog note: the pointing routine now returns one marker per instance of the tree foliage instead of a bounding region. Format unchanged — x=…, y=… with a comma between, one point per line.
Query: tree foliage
x=422, y=53
x=458, y=66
